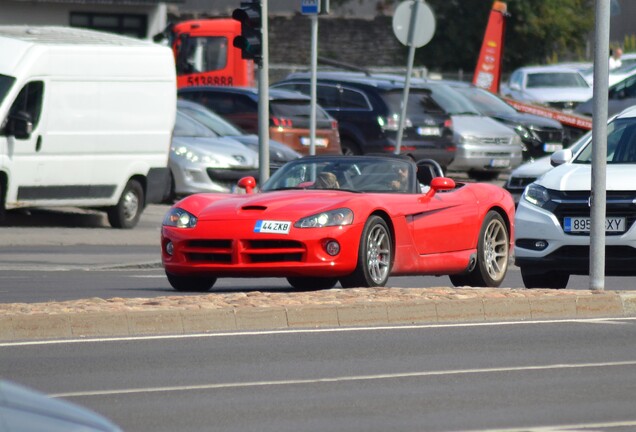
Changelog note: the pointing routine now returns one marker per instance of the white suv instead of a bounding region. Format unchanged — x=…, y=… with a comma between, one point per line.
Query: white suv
x=552, y=234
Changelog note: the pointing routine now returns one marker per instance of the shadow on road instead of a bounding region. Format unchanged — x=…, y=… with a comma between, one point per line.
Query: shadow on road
x=67, y=218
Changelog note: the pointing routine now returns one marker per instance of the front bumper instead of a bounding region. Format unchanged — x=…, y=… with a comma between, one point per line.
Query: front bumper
x=494, y=158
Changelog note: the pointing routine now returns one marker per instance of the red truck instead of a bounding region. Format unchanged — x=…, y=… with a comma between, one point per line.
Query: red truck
x=204, y=53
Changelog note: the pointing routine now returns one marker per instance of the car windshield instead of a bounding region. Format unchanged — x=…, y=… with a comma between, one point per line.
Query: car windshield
x=621, y=144
x=186, y=126
x=556, y=79
x=213, y=121
x=349, y=173
x=485, y=101
x=295, y=108
x=420, y=101
x=452, y=101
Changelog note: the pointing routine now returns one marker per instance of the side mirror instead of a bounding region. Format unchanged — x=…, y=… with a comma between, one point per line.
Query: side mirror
x=560, y=157
x=514, y=86
x=247, y=183
x=20, y=125
x=440, y=184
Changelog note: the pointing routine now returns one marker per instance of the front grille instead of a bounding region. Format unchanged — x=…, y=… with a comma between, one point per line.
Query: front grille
x=248, y=251
x=576, y=203
x=550, y=135
x=495, y=140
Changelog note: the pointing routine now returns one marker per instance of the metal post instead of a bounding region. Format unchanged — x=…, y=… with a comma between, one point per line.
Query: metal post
x=263, y=100
x=599, y=145
x=314, y=68
x=409, y=71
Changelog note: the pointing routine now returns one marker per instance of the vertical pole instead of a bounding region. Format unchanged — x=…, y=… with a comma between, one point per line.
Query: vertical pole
x=409, y=70
x=314, y=68
x=263, y=100
x=599, y=145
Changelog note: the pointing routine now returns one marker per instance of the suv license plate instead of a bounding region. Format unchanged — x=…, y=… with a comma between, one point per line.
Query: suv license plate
x=582, y=224
x=429, y=131
x=320, y=142
x=499, y=163
x=551, y=148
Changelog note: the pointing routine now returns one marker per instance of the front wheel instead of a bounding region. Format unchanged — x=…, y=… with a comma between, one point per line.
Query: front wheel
x=375, y=256
x=493, y=255
x=554, y=280
x=191, y=283
x=312, y=283
x=128, y=210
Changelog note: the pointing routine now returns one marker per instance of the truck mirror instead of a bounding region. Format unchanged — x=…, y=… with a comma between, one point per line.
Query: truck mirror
x=20, y=125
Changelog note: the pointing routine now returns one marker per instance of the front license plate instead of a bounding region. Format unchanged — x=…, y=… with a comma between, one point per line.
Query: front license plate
x=582, y=224
x=320, y=142
x=551, y=148
x=276, y=227
x=429, y=131
x=500, y=163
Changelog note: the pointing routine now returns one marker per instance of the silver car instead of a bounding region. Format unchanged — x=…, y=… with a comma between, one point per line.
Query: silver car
x=201, y=161
x=485, y=147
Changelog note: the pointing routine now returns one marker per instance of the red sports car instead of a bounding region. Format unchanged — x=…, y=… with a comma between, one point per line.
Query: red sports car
x=357, y=220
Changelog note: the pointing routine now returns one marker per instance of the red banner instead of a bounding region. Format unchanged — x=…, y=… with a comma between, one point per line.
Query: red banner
x=488, y=71
x=567, y=119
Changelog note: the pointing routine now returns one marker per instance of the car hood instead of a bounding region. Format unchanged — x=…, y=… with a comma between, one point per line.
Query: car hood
x=527, y=119
x=535, y=169
x=558, y=94
x=481, y=126
x=573, y=177
x=227, y=151
x=277, y=150
x=280, y=205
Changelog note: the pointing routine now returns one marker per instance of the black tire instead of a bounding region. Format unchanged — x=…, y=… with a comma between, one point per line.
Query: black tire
x=349, y=148
x=128, y=210
x=191, y=283
x=493, y=255
x=170, y=195
x=375, y=256
x=312, y=283
x=553, y=280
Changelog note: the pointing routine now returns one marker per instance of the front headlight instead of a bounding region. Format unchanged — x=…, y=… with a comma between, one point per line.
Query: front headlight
x=338, y=217
x=536, y=194
x=194, y=156
x=179, y=218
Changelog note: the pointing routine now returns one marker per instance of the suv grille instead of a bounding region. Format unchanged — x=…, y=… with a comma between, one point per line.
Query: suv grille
x=575, y=203
x=495, y=140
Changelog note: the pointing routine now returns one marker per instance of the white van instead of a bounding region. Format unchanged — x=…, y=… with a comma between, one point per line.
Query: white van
x=86, y=120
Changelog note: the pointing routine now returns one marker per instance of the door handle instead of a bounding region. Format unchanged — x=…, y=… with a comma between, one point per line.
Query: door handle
x=38, y=143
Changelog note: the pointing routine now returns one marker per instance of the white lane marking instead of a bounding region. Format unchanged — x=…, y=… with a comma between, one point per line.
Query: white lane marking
x=296, y=331
x=562, y=428
x=341, y=379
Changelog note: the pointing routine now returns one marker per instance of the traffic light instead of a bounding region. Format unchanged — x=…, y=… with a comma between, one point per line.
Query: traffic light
x=250, y=40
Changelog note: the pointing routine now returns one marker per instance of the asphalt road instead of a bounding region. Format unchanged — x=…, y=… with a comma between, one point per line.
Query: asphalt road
x=516, y=376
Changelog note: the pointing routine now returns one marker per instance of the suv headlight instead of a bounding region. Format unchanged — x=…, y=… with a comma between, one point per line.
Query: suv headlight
x=536, y=194
x=338, y=217
x=195, y=156
x=179, y=218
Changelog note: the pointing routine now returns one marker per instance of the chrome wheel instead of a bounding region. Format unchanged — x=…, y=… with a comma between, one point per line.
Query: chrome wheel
x=495, y=250
x=378, y=253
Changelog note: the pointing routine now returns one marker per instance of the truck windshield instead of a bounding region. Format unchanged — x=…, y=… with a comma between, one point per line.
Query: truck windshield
x=203, y=54
x=5, y=85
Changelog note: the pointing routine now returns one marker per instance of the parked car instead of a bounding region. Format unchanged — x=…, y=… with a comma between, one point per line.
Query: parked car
x=485, y=147
x=368, y=111
x=621, y=96
x=307, y=233
x=289, y=115
x=530, y=171
x=201, y=161
x=539, y=135
x=557, y=87
x=553, y=216
x=279, y=153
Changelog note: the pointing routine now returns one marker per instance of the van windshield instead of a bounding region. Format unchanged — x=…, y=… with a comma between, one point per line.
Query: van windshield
x=5, y=85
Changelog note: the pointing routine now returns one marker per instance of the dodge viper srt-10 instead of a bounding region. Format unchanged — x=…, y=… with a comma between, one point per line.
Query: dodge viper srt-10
x=357, y=220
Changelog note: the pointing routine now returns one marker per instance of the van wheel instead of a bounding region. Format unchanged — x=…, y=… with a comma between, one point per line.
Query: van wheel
x=128, y=210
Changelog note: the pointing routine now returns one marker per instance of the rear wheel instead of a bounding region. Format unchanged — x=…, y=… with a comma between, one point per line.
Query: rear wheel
x=128, y=210
x=555, y=280
x=312, y=283
x=191, y=283
x=375, y=256
x=492, y=255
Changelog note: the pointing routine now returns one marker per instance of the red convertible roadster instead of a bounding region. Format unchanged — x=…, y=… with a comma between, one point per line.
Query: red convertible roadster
x=357, y=220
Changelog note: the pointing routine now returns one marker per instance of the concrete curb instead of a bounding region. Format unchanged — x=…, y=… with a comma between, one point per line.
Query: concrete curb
x=44, y=326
